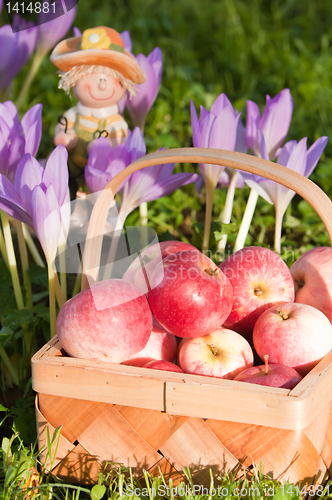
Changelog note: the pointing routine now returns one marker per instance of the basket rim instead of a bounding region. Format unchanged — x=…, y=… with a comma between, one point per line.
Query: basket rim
x=174, y=393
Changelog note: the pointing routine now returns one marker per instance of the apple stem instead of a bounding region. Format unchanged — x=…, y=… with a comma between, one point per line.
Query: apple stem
x=283, y=315
x=213, y=349
x=266, y=361
x=212, y=272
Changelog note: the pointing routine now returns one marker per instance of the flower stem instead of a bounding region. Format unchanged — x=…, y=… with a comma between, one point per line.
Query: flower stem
x=114, y=245
x=12, y=260
x=226, y=217
x=51, y=287
x=77, y=285
x=246, y=220
x=3, y=248
x=63, y=275
x=143, y=212
x=36, y=62
x=24, y=262
x=210, y=187
x=278, y=229
x=58, y=291
x=32, y=247
x=9, y=365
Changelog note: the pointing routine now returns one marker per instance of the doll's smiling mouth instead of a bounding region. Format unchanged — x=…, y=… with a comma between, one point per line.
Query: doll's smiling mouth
x=104, y=99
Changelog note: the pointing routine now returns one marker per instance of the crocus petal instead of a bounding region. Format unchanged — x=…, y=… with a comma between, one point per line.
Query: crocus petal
x=33, y=115
x=126, y=40
x=53, y=31
x=139, y=105
x=298, y=158
x=135, y=145
x=286, y=152
x=223, y=131
x=46, y=219
x=240, y=144
x=11, y=108
x=8, y=44
x=28, y=175
x=16, y=153
x=10, y=201
x=253, y=117
x=32, y=139
x=258, y=187
x=77, y=31
x=219, y=104
x=262, y=146
x=56, y=172
x=314, y=153
x=96, y=179
x=164, y=188
x=196, y=131
x=4, y=154
x=276, y=119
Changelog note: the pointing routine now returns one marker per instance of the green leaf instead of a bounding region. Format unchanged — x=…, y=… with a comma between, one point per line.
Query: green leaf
x=38, y=275
x=98, y=491
x=287, y=492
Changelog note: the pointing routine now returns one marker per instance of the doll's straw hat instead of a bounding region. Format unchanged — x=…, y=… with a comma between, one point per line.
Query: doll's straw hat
x=100, y=46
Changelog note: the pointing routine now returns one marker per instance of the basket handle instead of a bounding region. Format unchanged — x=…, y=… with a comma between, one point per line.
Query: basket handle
x=308, y=190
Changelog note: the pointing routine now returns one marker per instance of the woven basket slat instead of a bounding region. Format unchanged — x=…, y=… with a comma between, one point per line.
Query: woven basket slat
x=111, y=438
x=194, y=443
x=169, y=472
x=60, y=448
x=154, y=426
x=79, y=466
x=74, y=415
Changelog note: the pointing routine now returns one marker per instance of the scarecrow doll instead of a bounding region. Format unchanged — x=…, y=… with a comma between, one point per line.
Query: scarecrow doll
x=99, y=70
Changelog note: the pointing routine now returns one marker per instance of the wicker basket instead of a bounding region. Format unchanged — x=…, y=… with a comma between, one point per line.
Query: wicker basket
x=153, y=420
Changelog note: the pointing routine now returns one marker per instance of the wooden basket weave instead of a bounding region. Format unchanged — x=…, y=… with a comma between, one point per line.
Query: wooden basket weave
x=153, y=420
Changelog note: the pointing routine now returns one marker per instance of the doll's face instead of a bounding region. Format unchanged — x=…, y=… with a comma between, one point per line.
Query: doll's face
x=98, y=90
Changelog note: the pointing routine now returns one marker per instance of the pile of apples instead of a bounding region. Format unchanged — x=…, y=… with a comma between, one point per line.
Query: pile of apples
x=176, y=310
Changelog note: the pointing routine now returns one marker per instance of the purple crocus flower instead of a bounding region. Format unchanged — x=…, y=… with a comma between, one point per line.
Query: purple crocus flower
x=77, y=31
x=18, y=138
x=16, y=49
x=214, y=129
x=293, y=155
x=273, y=124
x=139, y=105
x=51, y=32
x=39, y=197
x=144, y=185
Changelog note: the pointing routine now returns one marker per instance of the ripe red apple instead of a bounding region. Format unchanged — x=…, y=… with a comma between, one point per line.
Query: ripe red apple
x=190, y=296
x=223, y=353
x=161, y=345
x=110, y=321
x=140, y=270
x=293, y=334
x=259, y=278
x=271, y=375
x=312, y=274
x=163, y=365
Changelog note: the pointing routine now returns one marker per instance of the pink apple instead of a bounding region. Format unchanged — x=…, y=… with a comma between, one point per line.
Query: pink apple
x=271, y=375
x=163, y=365
x=110, y=321
x=190, y=296
x=312, y=274
x=293, y=334
x=223, y=353
x=140, y=270
x=259, y=278
x=161, y=345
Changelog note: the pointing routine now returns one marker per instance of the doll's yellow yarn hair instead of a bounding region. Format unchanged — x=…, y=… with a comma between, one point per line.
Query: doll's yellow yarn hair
x=69, y=78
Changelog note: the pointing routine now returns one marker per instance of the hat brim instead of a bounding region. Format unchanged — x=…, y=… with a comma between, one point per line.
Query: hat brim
x=67, y=54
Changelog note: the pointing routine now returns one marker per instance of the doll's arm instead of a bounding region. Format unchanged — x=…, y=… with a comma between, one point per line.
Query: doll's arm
x=64, y=131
